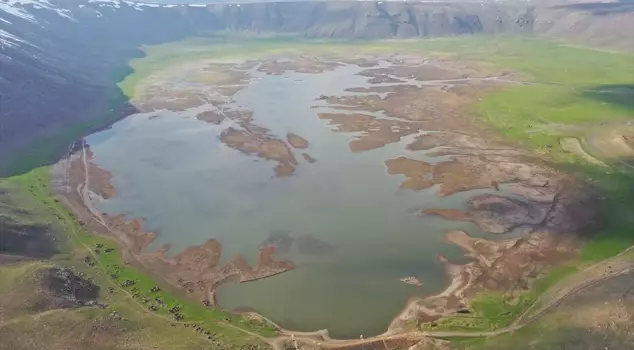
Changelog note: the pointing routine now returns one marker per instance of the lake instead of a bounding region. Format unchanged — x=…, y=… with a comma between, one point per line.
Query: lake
x=343, y=220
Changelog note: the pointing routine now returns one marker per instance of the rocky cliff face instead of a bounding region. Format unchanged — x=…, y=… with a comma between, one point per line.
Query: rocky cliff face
x=58, y=57
x=375, y=19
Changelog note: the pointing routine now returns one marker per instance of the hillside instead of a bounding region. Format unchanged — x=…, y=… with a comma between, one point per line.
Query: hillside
x=60, y=58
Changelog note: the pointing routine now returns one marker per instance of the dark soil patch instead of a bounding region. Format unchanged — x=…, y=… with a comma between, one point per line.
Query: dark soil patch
x=63, y=288
x=26, y=240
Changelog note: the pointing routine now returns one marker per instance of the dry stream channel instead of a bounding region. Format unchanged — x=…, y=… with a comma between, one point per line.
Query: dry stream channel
x=260, y=155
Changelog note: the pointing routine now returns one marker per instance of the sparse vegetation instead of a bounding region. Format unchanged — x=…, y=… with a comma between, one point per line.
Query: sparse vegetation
x=489, y=311
x=129, y=298
x=537, y=116
x=45, y=149
x=597, y=318
x=26, y=326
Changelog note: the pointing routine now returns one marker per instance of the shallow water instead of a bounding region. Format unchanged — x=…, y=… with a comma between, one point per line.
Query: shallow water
x=173, y=171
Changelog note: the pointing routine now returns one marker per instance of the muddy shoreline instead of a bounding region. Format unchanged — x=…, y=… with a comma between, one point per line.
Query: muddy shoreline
x=419, y=97
x=197, y=270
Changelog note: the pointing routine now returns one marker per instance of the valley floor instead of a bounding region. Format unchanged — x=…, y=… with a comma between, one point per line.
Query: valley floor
x=564, y=111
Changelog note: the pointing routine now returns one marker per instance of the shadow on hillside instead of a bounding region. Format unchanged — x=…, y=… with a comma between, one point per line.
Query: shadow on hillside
x=621, y=95
x=89, y=57
x=105, y=104
x=615, y=193
x=49, y=150
x=624, y=6
x=25, y=240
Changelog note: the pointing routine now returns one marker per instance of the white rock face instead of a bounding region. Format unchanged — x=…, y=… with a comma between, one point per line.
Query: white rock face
x=23, y=9
x=16, y=10
x=9, y=40
x=134, y=4
x=28, y=9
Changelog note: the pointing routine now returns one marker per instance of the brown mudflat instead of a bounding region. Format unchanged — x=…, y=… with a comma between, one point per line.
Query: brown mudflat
x=380, y=79
x=298, y=64
x=308, y=158
x=261, y=146
x=375, y=132
x=101, y=180
x=214, y=117
x=255, y=144
x=297, y=141
x=432, y=70
x=418, y=173
x=464, y=173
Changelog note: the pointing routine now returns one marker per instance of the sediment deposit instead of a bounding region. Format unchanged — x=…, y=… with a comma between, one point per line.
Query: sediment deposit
x=297, y=141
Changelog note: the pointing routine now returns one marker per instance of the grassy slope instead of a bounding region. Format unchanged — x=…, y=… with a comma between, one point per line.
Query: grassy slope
x=594, y=319
x=532, y=115
x=493, y=310
x=30, y=192
x=26, y=327
x=47, y=150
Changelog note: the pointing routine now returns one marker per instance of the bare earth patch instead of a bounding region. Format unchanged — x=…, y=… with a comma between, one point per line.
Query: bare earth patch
x=262, y=146
x=308, y=158
x=297, y=141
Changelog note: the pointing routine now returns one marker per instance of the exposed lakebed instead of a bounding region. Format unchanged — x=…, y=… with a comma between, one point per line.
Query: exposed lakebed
x=274, y=163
